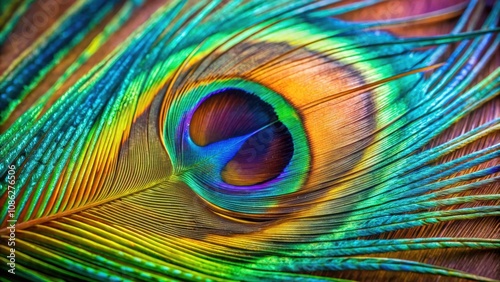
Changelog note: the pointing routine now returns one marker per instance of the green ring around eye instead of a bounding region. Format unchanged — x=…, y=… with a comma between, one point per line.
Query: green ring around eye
x=201, y=164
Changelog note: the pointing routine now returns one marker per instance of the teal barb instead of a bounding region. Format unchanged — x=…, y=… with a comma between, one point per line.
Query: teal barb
x=245, y=141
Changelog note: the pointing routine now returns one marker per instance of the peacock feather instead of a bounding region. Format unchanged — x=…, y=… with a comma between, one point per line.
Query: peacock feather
x=249, y=140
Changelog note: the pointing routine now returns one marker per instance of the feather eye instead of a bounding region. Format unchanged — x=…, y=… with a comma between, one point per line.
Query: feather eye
x=245, y=140
x=261, y=153
x=316, y=89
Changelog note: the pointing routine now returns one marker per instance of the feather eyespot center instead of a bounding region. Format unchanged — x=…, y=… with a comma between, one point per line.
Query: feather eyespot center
x=231, y=112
